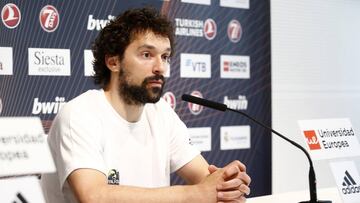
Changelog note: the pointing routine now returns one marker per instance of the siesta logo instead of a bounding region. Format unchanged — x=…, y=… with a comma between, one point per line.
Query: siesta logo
x=49, y=18
x=195, y=108
x=349, y=184
x=10, y=15
x=98, y=24
x=169, y=97
x=47, y=107
x=234, y=31
x=210, y=29
x=312, y=140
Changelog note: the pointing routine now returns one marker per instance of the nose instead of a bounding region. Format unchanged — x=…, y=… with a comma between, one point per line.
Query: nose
x=160, y=66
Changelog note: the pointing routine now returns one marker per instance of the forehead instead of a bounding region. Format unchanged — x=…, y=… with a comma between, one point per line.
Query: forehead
x=152, y=39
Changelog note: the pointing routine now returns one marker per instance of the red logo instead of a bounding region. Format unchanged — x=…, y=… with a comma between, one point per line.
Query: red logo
x=226, y=66
x=210, y=29
x=234, y=31
x=49, y=18
x=195, y=108
x=10, y=15
x=312, y=139
x=169, y=97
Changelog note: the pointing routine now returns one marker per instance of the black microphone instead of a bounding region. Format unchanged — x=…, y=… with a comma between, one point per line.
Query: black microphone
x=223, y=107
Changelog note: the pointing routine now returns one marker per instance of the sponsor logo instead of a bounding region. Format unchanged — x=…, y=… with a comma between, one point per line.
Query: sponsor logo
x=49, y=61
x=234, y=31
x=350, y=186
x=6, y=61
x=235, y=3
x=203, y=2
x=1, y=105
x=49, y=18
x=169, y=97
x=234, y=137
x=98, y=24
x=195, y=65
x=10, y=15
x=210, y=29
x=201, y=138
x=232, y=66
x=239, y=104
x=88, y=60
x=312, y=140
x=113, y=177
x=195, y=108
x=47, y=107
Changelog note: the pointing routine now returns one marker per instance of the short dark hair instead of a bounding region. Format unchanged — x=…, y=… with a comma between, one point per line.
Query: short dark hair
x=116, y=36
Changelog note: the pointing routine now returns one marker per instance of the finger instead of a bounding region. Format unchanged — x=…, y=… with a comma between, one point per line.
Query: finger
x=212, y=168
x=240, y=165
x=229, y=195
x=244, y=189
x=242, y=199
x=230, y=171
x=244, y=177
x=230, y=184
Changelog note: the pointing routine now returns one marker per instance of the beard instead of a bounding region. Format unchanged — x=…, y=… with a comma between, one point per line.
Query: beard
x=139, y=94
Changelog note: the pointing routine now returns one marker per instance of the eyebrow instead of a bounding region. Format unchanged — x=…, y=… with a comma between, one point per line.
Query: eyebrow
x=147, y=46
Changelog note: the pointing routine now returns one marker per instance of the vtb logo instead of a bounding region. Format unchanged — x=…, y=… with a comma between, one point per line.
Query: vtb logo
x=312, y=139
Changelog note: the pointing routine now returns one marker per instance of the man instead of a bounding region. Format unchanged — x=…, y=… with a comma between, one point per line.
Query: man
x=120, y=143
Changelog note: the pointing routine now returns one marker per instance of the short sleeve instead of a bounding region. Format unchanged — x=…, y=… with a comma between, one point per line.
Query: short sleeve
x=77, y=142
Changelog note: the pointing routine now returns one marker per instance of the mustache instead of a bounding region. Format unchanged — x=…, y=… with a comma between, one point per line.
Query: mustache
x=155, y=77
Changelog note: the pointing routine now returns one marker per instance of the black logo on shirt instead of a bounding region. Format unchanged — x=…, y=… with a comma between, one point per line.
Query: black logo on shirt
x=113, y=177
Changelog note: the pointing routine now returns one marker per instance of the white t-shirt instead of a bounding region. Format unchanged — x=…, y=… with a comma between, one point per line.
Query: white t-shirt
x=89, y=133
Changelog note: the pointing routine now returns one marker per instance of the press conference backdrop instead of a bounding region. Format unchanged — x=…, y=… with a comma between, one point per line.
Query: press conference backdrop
x=222, y=54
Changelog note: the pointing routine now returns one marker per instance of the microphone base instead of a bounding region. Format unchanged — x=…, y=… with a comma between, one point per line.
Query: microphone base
x=317, y=201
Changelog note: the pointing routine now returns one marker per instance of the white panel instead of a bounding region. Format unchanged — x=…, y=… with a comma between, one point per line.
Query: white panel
x=315, y=74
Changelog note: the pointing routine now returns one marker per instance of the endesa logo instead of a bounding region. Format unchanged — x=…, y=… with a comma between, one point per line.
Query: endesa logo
x=312, y=140
x=10, y=15
x=233, y=66
x=195, y=65
x=98, y=24
x=169, y=97
x=234, y=31
x=50, y=62
x=53, y=107
x=195, y=108
x=210, y=29
x=49, y=18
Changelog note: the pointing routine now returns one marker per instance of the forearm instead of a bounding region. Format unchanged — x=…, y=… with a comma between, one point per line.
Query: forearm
x=129, y=194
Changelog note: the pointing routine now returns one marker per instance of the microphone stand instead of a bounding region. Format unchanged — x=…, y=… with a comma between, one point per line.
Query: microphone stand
x=312, y=177
x=223, y=107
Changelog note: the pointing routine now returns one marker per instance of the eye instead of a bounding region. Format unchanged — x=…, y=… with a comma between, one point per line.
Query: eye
x=146, y=54
x=166, y=58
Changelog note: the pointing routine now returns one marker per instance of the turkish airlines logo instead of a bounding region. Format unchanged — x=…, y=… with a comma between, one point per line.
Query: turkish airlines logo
x=10, y=15
x=234, y=31
x=169, y=97
x=210, y=29
x=195, y=108
x=49, y=18
x=312, y=140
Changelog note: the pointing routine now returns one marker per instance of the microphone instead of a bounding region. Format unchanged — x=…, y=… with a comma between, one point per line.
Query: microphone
x=223, y=107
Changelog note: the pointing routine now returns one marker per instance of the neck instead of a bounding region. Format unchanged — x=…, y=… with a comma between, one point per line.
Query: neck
x=130, y=113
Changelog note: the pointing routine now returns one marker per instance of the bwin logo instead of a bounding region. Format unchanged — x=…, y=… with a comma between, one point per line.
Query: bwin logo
x=98, y=24
x=350, y=186
x=48, y=107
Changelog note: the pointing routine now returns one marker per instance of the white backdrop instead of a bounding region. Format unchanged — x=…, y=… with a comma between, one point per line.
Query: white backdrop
x=315, y=74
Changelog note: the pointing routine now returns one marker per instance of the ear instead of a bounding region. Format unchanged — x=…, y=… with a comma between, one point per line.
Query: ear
x=113, y=63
